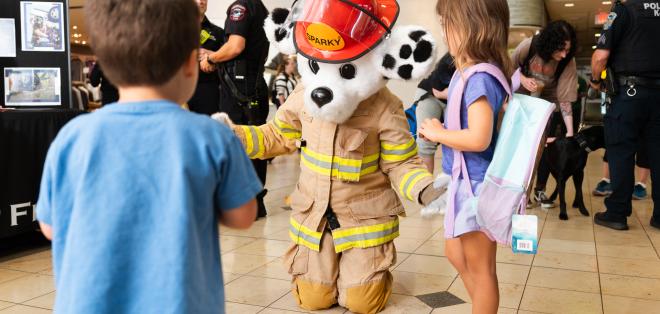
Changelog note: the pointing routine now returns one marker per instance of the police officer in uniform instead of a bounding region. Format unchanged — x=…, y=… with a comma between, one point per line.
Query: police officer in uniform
x=206, y=99
x=629, y=47
x=241, y=60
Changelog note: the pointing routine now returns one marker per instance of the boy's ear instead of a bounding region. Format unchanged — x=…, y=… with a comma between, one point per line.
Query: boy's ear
x=408, y=54
x=279, y=32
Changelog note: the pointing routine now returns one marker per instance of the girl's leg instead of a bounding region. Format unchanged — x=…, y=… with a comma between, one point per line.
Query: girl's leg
x=480, y=257
x=454, y=252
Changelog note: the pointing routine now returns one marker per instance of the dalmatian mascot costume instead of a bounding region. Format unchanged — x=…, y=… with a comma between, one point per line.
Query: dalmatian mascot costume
x=356, y=149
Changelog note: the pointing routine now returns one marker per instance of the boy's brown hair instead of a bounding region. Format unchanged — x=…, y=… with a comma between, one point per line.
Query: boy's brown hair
x=142, y=42
x=483, y=29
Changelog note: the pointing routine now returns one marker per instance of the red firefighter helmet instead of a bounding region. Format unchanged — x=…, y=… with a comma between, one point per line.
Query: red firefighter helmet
x=338, y=31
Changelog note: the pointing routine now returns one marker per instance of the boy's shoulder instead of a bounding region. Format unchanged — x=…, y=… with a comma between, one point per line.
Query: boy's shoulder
x=118, y=118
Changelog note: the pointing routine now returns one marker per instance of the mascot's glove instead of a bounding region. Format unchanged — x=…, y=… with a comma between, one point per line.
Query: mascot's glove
x=224, y=119
x=437, y=196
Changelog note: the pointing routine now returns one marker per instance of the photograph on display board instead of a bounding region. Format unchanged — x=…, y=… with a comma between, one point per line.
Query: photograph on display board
x=32, y=87
x=7, y=38
x=42, y=26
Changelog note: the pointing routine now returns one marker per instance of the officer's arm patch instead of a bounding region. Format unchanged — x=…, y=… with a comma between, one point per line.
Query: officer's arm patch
x=237, y=13
x=610, y=20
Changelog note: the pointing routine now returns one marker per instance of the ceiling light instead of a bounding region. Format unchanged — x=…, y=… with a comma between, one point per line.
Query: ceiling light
x=593, y=47
x=84, y=42
x=75, y=27
x=597, y=34
x=569, y=5
x=77, y=41
x=607, y=2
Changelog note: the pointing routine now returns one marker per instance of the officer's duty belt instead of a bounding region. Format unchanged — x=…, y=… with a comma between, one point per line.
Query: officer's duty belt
x=639, y=81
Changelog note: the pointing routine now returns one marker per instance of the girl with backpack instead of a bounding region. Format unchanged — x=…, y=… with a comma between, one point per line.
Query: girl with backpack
x=476, y=33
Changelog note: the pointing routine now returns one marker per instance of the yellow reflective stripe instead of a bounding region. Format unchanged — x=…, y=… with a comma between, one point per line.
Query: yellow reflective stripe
x=370, y=158
x=254, y=141
x=249, y=144
x=342, y=233
x=302, y=235
x=365, y=236
x=409, y=180
x=398, y=152
x=366, y=243
x=300, y=241
x=341, y=168
x=388, y=146
x=305, y=230
x=286, y=129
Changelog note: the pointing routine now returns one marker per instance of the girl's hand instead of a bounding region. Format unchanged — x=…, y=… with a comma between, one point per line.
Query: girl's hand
x=432, y=129
x=528, y=83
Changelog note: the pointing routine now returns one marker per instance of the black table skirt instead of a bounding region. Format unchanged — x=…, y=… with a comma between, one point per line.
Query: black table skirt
x=25, y=136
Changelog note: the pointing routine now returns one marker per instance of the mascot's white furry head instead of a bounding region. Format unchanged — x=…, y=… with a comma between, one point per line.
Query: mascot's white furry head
x=347, y=51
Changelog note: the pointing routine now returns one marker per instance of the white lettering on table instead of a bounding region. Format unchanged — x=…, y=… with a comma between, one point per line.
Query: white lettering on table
x=15, y=212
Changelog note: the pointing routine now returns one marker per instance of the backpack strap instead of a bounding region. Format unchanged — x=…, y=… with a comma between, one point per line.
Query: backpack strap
x=453, y=118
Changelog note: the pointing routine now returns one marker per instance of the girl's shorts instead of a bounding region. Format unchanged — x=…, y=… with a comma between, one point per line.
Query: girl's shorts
x=465, y=209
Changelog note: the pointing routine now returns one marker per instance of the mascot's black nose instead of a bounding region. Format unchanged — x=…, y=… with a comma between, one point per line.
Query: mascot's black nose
x=321, y=96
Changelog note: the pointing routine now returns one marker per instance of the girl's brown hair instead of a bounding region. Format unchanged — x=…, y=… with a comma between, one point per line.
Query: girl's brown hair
x=481, y=29
x=281, y=68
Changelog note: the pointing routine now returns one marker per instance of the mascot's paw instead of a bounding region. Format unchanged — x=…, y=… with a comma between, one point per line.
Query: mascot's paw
x=430, y=194
x=409, y=54
x=437, y=207
x=223, y=118
x=442, y=181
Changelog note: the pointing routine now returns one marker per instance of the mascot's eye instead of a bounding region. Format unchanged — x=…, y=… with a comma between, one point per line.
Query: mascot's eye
x=314, y=66
x=347, y=71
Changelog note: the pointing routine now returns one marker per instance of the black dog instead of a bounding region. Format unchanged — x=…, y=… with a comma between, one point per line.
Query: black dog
x=567, y=158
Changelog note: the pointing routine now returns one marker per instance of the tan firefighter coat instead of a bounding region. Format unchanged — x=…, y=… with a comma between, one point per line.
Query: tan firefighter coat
x=351, y=168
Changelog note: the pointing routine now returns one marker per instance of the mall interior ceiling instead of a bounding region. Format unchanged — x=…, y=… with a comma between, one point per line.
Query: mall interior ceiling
x=586, y=16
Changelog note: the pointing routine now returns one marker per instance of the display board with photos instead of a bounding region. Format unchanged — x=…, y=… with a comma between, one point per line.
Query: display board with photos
x=34, y=54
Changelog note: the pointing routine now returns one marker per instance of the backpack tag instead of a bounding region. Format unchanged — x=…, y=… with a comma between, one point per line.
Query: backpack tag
x=524, y=237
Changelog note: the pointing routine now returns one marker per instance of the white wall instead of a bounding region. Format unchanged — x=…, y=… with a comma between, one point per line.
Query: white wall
x=417, y=12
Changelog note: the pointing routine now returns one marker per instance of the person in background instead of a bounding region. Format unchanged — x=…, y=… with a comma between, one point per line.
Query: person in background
x=109, y=92
x=206, y=99
x=548, y=70
x=131, y=194
x=604, y=186
x=431, y=97
x=243, y=90
x=477, y=31
x=285, y=81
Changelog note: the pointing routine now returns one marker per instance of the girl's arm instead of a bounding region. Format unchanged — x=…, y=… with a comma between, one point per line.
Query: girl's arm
x=476, y=138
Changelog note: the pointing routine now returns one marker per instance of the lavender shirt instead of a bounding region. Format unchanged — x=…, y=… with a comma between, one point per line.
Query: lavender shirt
x=478, y=85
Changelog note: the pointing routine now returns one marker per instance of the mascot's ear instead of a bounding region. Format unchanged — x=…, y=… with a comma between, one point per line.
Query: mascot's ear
x=409, y=54
x=279, y=33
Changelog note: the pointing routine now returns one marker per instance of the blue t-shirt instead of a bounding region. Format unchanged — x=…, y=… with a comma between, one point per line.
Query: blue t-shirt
x=478, y=85
x=133, y=193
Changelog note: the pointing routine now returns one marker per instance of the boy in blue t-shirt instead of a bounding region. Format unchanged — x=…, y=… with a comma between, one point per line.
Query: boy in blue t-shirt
x=132, y=194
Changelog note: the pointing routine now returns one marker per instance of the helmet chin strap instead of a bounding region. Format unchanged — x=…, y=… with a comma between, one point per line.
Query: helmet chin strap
x=371, y=15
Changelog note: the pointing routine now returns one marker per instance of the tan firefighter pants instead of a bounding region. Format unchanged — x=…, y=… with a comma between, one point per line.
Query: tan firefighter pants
x=358, y=279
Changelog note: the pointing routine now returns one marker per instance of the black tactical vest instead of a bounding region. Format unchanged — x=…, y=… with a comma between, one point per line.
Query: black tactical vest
x=638, y=53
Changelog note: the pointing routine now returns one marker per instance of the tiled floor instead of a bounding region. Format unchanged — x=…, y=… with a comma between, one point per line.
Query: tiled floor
x=580, y=268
